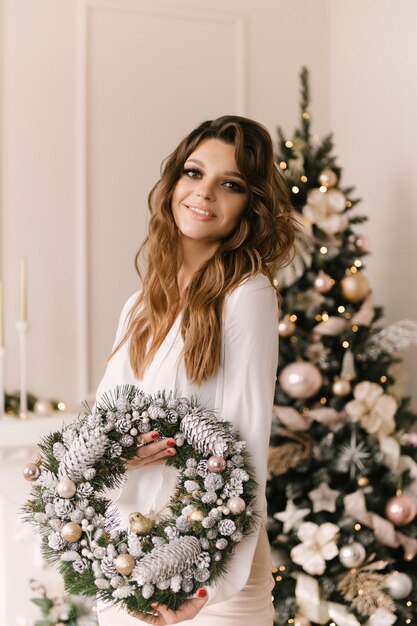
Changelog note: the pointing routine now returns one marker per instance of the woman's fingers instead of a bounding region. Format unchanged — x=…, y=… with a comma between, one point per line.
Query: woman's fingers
x=187, y=611
x=150, y=452
x=159, y=457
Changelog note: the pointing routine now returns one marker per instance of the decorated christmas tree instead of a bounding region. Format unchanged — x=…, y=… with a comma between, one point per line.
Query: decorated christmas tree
x=343, y=475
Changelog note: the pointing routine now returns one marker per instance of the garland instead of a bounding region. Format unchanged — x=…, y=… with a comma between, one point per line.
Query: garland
x=164, y=560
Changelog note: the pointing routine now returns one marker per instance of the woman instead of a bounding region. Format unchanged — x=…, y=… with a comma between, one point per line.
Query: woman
x=205, y=323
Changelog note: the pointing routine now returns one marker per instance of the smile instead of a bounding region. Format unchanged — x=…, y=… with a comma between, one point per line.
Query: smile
x=200, y=212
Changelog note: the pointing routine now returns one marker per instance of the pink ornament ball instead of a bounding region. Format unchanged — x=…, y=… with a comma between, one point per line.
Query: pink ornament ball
x=300, y=379
x=323, y=282
x=31, y=472
x=401, y=510
x=216, y=464
x=236, y=505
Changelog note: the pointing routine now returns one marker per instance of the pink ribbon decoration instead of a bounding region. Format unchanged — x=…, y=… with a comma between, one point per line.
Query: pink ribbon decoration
x=385, y=533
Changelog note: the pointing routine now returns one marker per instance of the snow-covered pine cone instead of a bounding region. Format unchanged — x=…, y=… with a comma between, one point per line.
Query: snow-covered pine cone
x=233, y=487
x=206, y=434
x=168, y=560
x=107, y=567
x=63, y=507
x=85, y=450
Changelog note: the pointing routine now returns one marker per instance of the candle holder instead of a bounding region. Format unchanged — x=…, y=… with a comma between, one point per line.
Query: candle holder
x=22, y=327
x=2, y=394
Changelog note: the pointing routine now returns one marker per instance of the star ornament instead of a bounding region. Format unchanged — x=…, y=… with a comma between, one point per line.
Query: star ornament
x=292, y=516
x=324, y=498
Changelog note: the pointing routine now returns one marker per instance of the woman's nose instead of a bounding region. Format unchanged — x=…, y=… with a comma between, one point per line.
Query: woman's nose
x=206, y=190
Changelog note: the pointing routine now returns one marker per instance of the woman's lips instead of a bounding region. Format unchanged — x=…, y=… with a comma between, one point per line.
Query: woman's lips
x=197, y=214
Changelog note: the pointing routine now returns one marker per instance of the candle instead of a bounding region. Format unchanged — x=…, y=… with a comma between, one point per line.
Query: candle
x=1, y=316
x=23, y=290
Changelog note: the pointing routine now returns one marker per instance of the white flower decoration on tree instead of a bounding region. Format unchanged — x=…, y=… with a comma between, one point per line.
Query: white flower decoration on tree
x=325, y=210
x=318, y=546
x=374, y=409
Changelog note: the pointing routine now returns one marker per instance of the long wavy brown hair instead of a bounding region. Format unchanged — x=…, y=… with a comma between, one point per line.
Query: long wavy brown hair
x=261, y=242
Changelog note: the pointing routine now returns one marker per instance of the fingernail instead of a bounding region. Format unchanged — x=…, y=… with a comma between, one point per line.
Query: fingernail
x=170, y=442
x=170, y=451
x=154, y=435
x=202, y=593
x=154, y=605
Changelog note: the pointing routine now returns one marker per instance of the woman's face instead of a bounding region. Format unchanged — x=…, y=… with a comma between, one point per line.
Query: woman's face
x=210, y=195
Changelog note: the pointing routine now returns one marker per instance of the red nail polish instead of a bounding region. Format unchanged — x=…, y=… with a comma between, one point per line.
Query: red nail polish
x=170, y=442
x=170, y=451
x=154, y=605
x=202, y=593
x=154, y=435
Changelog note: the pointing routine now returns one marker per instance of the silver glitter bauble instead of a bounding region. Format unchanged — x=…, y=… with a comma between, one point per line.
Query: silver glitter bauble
x=399, y=585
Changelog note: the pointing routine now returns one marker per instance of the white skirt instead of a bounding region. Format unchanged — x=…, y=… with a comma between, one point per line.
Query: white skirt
x=252, y=605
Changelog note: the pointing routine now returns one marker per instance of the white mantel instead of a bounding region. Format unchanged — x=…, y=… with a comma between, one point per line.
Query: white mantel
x=19, y=548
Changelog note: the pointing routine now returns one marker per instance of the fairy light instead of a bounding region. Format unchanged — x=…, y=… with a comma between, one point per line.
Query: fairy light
x=282, y=568
x=293, y=318
x=274, y=570
x=293, y=339
x=318, y=317
x=324, y=316
x=278, y=579
x=323, y=189
x=355, y=328
x=357, y=263
x=323, y=250
x=346, y=344
x=341, y=308
x=323, y=400
x=306, y=115
x=348, y=315
x=289, y=144
x=348, y=204
x=408, y=621
x=358, y=527
x=409, y=603
x=304, y=179
x=283, y=165
x=306, y=410
x=383, y=379
x=353, y=269
x=61, y=406
x=295, y=189
x=275, y=281
x=291, y=621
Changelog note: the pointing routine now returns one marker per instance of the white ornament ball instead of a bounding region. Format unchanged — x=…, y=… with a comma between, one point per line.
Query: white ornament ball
x=399, y=585
x=43, y=407
x=196, y=516
x=341, y=388
x=300, y=620
x=286, y=327
x=300, y=379
x=71, y=532
x=323, y=282
x=66, y=488
x=352, y=555
x=124, y=564
x=236, y=505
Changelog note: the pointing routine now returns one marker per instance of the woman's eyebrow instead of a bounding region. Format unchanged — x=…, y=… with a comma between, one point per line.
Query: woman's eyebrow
x=229, y=173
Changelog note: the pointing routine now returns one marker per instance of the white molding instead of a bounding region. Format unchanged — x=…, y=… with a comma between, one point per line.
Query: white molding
x=85, y=7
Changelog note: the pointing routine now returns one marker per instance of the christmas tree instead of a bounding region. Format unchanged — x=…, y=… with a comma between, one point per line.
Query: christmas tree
x=342, y=490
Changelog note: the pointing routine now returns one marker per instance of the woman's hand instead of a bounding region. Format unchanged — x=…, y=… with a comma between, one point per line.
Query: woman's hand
x=187, y=611
x=151, y=452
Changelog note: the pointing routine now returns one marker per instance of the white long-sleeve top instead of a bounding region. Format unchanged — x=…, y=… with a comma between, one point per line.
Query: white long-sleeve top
x=241, y=392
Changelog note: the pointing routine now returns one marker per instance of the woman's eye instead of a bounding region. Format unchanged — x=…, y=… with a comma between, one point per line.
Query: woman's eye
x=230, y=184
x=191, y=172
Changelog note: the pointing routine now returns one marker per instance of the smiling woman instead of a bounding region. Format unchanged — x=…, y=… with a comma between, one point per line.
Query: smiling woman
x=205, y=324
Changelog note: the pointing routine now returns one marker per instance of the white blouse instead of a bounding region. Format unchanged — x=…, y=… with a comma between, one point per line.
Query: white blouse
x=242, y=392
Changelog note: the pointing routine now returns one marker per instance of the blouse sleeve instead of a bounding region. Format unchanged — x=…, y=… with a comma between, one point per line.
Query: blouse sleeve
x=250, y=366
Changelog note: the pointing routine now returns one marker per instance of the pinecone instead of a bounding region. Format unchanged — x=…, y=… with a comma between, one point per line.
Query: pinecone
x=206, y=434
x=107, y=567
x=233, y=487
x=168, y=560
x=86, y=448
x=63, y=507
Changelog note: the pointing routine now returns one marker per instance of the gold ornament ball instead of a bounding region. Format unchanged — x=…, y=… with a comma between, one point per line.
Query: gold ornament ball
x=71, y=531
x=341, y=388
x=327, y=178
x=286, y=327
x=300, y=620
x=355, y=287
x=43, y=408
x=124, y=564
x=196, y=516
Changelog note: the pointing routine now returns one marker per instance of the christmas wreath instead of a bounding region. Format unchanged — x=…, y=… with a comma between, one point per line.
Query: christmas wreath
x=164, y=560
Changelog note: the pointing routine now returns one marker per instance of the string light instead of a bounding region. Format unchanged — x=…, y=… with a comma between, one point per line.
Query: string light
x=341, y=308
x=346, y=344
x=409, y=603
x=348, y=204
x=357, y=263
x=306, y=410
x=323, y=250
x=348, y=315
x=408, y=621
x=282, y=568
x=283, y=165
x=275, y=281
x=293, y=339
x=61, y=406
x=304, y=179
x=289, y=144
x=323, y=189
x=353, y=269
x=383, y=379
x=355, y=328
x=293, y=318
x=324, y=316
x=278, y=579
x=323, y=400
x=306, y=115
x=358, y=527
x=295, y=189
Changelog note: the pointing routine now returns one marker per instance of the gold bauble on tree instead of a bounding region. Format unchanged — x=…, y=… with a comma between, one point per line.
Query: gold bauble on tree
x=286, y=327
x=327, y=178
x=196, y=516
x=71, y=532
x=354, y=287
x=124, y=564
x=341, y=387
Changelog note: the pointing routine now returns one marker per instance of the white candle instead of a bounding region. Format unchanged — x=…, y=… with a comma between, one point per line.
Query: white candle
x=23, y=290
x=1, y=316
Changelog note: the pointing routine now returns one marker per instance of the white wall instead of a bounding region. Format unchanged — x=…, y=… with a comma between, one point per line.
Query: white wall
x=373, y=107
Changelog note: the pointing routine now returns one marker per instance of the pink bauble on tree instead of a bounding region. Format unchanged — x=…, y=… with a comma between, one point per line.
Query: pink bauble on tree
x=216, y=464
x=401, y=510
x=300, y=379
